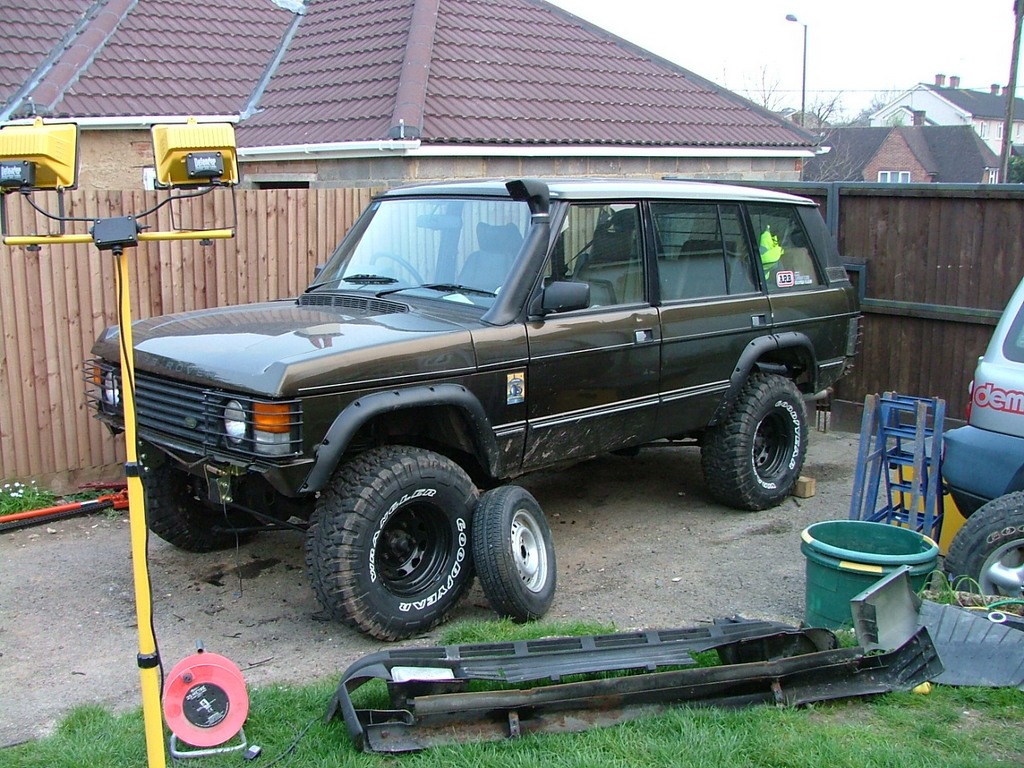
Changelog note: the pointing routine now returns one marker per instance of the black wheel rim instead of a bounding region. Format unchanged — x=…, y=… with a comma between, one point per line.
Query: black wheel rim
x=412, y=550
x=773, y=445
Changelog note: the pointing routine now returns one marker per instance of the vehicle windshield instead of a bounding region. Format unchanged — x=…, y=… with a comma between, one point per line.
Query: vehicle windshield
x=452, y=249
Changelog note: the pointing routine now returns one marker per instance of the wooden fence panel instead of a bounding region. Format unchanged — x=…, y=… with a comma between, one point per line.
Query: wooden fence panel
x=938, y=267
x=55, y=302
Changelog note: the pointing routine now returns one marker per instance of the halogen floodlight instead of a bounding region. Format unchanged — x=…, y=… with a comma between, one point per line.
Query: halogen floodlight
x=192, y=154
x=39, y=156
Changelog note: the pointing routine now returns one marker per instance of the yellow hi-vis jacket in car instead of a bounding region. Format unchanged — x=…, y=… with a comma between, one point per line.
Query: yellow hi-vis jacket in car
x=770, y=249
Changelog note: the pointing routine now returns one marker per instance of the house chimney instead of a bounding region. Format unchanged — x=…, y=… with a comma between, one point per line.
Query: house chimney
x=940, y=80
x=994, y=89
x=954, y=81
x=918, y=116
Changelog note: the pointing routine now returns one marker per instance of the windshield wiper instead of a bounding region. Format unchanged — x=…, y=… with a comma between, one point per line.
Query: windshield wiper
x=364, y=279
x=360, y=279
x=443, y=288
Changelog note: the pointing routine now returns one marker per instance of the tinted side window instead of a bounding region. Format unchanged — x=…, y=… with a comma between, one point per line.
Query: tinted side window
x=701, y=250
x=1013, y=344
x=785, y=250
x=600, y=245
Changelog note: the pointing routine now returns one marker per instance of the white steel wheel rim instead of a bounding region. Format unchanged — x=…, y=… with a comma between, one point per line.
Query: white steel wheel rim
x=528, y=551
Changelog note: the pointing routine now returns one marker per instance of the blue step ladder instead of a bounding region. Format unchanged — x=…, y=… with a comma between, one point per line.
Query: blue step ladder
x=897, y=479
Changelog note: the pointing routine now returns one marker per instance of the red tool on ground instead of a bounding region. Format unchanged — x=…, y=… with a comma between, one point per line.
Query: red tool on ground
x=118, y=500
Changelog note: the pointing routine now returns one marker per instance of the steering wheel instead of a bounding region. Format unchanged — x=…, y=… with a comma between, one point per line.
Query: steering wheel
x=386, y=256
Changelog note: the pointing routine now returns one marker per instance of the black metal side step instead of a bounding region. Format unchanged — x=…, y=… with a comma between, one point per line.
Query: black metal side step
x=764, y=662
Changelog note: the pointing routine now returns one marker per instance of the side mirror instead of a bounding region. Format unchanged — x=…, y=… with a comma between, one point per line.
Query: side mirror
x=565, y=296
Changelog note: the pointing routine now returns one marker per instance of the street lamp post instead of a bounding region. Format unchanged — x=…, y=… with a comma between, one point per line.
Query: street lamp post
x=803, y=80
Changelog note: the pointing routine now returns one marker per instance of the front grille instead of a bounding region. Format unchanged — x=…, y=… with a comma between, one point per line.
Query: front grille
x=362, y=305
x=187, y=413
x=173, y=409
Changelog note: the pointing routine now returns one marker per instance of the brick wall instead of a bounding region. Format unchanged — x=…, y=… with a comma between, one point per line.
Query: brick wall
x=895, y=155
x=390, y=171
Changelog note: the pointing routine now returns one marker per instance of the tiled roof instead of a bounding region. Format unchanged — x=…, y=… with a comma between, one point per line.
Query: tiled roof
x=35, y=29
x=951, y=153
x=338, y=80
x=181, y=57
x=851, y=149
x=978, y=103
x=151, y=57
x=517, y=71
x=958, y=152
x=444, y=71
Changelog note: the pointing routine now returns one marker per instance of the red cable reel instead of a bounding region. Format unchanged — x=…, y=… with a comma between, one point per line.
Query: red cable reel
x=205, y=704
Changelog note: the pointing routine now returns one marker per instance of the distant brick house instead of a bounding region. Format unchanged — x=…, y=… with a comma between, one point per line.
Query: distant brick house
x=379, y=92
x=941, y=104
x=905, y=154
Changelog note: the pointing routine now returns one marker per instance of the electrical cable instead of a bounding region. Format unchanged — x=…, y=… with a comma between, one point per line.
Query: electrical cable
x=1008, y=601
x=169, y=199
x=291, y=747
x=128, y=379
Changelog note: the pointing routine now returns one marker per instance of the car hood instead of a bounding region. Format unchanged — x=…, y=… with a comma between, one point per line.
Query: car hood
x=280, y=348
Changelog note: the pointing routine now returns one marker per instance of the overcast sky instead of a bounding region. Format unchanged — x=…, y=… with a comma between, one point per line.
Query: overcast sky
x=858, y=47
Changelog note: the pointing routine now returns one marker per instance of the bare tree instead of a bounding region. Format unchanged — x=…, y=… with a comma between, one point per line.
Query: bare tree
x=879, y=100
x=823, y=112
x=835, y=165
x=764, y=90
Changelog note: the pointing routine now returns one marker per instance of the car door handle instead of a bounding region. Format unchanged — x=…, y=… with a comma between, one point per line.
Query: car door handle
x=758, y=321
x=643, y=336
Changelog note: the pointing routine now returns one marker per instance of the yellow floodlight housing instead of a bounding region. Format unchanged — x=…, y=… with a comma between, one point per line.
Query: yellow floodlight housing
x=193, y=154
x=39, y=156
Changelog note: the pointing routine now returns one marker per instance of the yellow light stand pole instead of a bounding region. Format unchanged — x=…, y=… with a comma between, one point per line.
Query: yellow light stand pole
x=148, y=659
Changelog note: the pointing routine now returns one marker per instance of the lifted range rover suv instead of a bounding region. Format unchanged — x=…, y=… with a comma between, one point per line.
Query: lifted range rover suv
x=465, y=333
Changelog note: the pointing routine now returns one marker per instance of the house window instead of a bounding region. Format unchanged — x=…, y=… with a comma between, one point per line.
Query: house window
x=993, y=175
x=999, y=131
x=983, y=129
x=894, y=177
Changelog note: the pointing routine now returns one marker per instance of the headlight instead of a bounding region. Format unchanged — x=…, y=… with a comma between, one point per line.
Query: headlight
x=272, y=428
x=234, y=422
x=108, y=389
x=268, y=429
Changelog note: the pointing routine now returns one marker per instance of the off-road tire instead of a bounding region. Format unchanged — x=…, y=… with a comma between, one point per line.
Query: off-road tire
x=180, y=516
x=989, y=549
x=752, y=458
x=388, y=548
x=513, y=553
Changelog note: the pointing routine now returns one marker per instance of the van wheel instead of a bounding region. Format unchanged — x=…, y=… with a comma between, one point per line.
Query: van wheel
x=753, y=457
x=989, y=549
x=388, y=549
x=179, y=515
x=513, y=553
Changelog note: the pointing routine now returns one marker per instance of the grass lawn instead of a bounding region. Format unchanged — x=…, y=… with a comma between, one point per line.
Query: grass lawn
x=948, y=728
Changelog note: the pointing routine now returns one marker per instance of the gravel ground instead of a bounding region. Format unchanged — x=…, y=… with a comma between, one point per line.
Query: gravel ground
x=638, y=544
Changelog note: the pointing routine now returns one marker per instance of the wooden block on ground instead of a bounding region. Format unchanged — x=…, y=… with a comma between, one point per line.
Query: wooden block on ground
x=804, y=487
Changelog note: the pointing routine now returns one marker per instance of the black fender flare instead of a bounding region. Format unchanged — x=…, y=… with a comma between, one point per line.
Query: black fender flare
x=749, y=358
x=360, y=411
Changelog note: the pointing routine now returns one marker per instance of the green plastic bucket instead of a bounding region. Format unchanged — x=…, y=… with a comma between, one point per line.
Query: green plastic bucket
x=845, y=557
